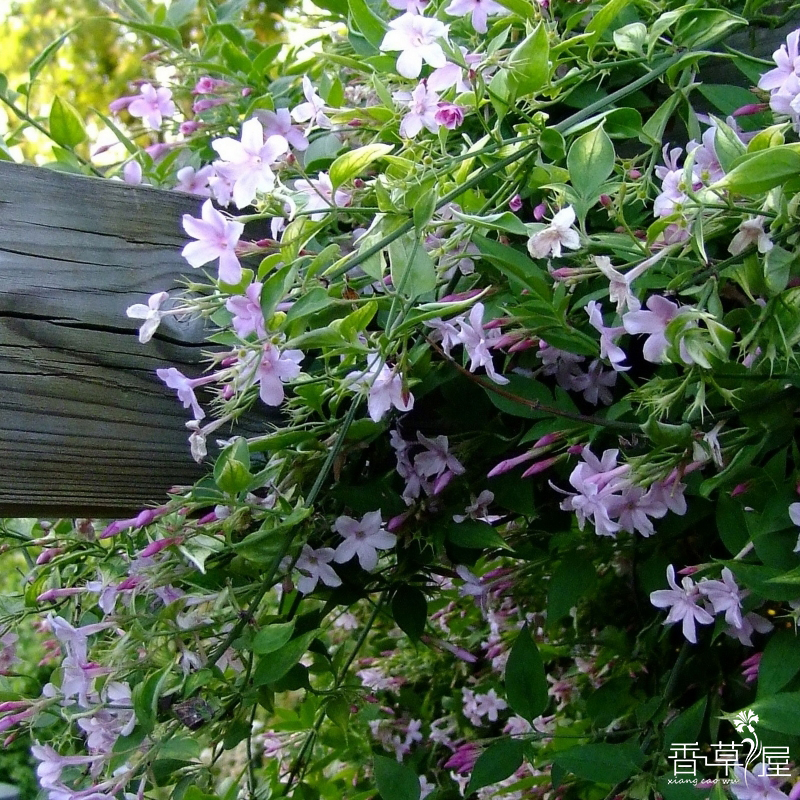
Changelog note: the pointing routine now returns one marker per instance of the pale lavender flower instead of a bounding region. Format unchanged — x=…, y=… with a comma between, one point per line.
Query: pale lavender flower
x=652, y=322
x=385, y=388
x=682, y=603
x=152, y=105
x=751, y=232
x=316, y=565
x=489, y=704
x=273, y=369
x=725, y=596
x=132, y=173
x=185, y=387
x=247, y=315
x=444, y=332
x=195, y=181
x=246, y=162
x=634, y=508
x=437, y=458
x=411, y=6
x=416, y=37
x=452, y=74
x=449, y=115
x=477, y=342
x=217, y=237
x=313, y=110
x=756, y=785
x=480, y=10
x=559, y=233
x=609, y=349
x=794, y=515
x=706, y=163
x=751, y=623
x=619, y=285
x=596, y=384
x=787, y=59
x=423, y=105
x=279, y=123
x=150, y=313
x=52, y=763
x=362, y=539
x=320, y=196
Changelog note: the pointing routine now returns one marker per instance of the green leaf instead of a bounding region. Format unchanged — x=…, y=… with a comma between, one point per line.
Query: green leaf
x=145, y=699
x=499, y=761
x=631, y=38
x=590, y=161
x=761, y=171
x=395, y=781
x=275, y=289
x=351, y=164
x=413, y=271
x=601, y=21
x=779, y=712
x=39, y=63
x=275, y=665
x=686, y=726
x=505, y=221
x=371, y=26
x=780, y=662
x=574, y=577
x=602, y=763
x=701, y=26
x=232, y=467
x=273, y=637
x=476, y=535
x=526, y=685
x=410, y=611
x=528, y=63
x=308, y=304
x=338, y=711
x=66, y=125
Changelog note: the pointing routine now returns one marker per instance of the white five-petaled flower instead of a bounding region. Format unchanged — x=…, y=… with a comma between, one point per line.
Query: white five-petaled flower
x=416, y=37
x=682, y=603
x=150, y=313
x=385, y=388
x=751, y=231
x=480, y=10
x=246, y=163
x=422, y=105
x=152, y=105
x=362, y=539
x=316, y=563
x=217, y=237
x=477, y=342
x=559, y=233
x=313, y=110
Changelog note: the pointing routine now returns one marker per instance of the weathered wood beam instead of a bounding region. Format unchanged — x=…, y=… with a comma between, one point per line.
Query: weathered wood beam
x=86, y=427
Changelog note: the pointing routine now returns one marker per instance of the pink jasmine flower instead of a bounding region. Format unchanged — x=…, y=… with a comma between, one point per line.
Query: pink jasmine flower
x=272, y=370
x=634, y=509
x=313, y=110
x=152, y=105
x=221, y=187
x=608, y=348
x=316, y=565
x=437, y=458
x=209, y=85
x=480, y=10
x=279, y=123
x=559, y=233
x=562, y=364
x=385, y=388
x=515, y=203
x=452, y=74
x=425, y=786
x=362, y=539
x=751, y=231
x=487, y=705
x=510, y=463
x=751, y=623
x=444, y=332
x=247, y=315
x=706, y=163
x=52, y=763
x=670, y=493
x=423, y=106
x=320, y=197
x=416, y=37
x=466, y=754
x=787, y=58
x=478, y=508
x=477, y=342
x=247, y=162
x=195, y=181
x=619, y=285
x=517, y=726
x=217, y=237
x=751, y=665
x=150, y=313
x=449, y=115
x=472, y=587
x=185, y=388
x=596, y=383
x=682, y=603
x=207, y=103
x=652, y=322
x=411, y=6
x=725, y=596
x=756, y=785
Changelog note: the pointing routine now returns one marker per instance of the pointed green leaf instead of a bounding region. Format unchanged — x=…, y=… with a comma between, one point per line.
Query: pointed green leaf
x=413, y=271
x=66, y=125
x=351, y=164
x=590, y=161
x=526, y=685
x=395, y=781
x=495, y=764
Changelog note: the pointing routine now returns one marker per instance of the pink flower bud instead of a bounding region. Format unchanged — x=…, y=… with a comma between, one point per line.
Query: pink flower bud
x=358, y=183
x=548, y=439
x=132, y=173
x=13, y=705
x=355, y=123
x=158, y=150
x=189, y=127
x=515, y=203
x=605, y=201
x=449, y=115
x=564, y=273
x=740, y=488
x=395, y=523
x=539, y=211
x=523, y=344
x=750, y=108
x=442, y=482
x=199, y=106
x=48, y=555
x=459, y=296
x=688, y=570
x=540, y=466
x=52, y=595
x=209, y=85
x=634, y=174
x=120, y=103
x=227, y=392
x=159, y=545
x=509, y=464
x=208, y=518
x=575, y=450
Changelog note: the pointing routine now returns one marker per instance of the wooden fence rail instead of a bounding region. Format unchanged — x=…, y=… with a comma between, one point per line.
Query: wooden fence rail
x=86, y=428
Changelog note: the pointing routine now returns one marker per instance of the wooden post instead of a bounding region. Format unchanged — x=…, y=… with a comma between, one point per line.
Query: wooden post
x=86, y=427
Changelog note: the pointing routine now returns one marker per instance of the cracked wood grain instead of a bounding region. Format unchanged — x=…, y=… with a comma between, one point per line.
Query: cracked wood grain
x=86, y=427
